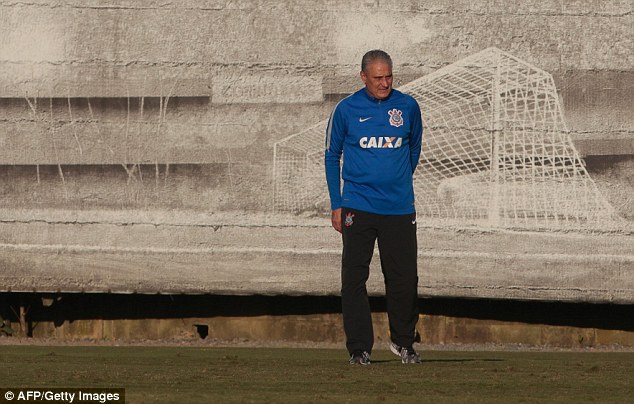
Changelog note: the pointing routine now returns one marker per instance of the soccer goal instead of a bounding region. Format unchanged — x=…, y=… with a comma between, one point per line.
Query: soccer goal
x=496, y=152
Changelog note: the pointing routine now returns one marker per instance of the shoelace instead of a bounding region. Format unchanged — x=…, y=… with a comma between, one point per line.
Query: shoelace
x=363, y=354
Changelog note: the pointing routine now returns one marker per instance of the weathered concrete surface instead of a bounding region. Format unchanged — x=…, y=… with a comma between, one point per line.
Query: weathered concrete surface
x=561, y=35
x=297, y=52
x=175, y=107
x=174, y=131
x=164, y=252
x=599, y=112
x=237, y=182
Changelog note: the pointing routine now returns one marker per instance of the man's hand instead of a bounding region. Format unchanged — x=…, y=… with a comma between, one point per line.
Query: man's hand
x=335, y=217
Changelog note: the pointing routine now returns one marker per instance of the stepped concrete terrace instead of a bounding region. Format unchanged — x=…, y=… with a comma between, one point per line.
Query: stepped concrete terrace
x=169, y=252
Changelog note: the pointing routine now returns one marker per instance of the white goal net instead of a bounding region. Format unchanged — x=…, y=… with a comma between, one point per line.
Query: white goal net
x=496, y=152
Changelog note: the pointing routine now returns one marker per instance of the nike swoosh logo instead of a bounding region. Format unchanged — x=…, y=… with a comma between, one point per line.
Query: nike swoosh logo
x=364, y=119
x=413, y=221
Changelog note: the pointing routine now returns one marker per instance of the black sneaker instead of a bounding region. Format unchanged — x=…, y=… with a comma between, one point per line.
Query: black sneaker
x=360, y=358
x=407, y=354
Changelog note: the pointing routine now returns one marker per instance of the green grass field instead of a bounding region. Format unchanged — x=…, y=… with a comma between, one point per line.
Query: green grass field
x=205, y=375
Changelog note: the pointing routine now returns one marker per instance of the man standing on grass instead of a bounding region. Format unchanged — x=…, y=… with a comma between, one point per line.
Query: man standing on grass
x=378, y=130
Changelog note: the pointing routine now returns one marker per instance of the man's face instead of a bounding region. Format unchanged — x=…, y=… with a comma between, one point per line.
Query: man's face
x=378, y=79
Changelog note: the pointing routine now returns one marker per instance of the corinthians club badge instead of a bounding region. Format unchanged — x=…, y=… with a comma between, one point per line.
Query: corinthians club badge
x=396, y=117
x=348, y=222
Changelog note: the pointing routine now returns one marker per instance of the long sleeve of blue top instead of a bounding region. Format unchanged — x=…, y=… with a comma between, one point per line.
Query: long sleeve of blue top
x=380, y=142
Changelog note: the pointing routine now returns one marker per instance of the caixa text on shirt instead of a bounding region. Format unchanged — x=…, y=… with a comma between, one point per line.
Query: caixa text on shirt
x=379, y=142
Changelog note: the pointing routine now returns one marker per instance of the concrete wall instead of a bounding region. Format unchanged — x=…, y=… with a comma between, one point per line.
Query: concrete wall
x=228, y=79
x=119, y=106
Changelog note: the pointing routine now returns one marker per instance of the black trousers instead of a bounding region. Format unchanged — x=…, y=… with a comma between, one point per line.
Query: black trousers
x=396, y=235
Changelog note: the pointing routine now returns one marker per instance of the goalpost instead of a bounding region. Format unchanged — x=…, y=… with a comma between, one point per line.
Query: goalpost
x=496, y=152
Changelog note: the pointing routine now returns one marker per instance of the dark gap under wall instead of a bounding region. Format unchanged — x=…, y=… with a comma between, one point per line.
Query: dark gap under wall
x=71, y=307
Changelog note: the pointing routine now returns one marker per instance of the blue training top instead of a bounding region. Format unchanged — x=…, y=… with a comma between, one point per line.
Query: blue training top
x=381, y=143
